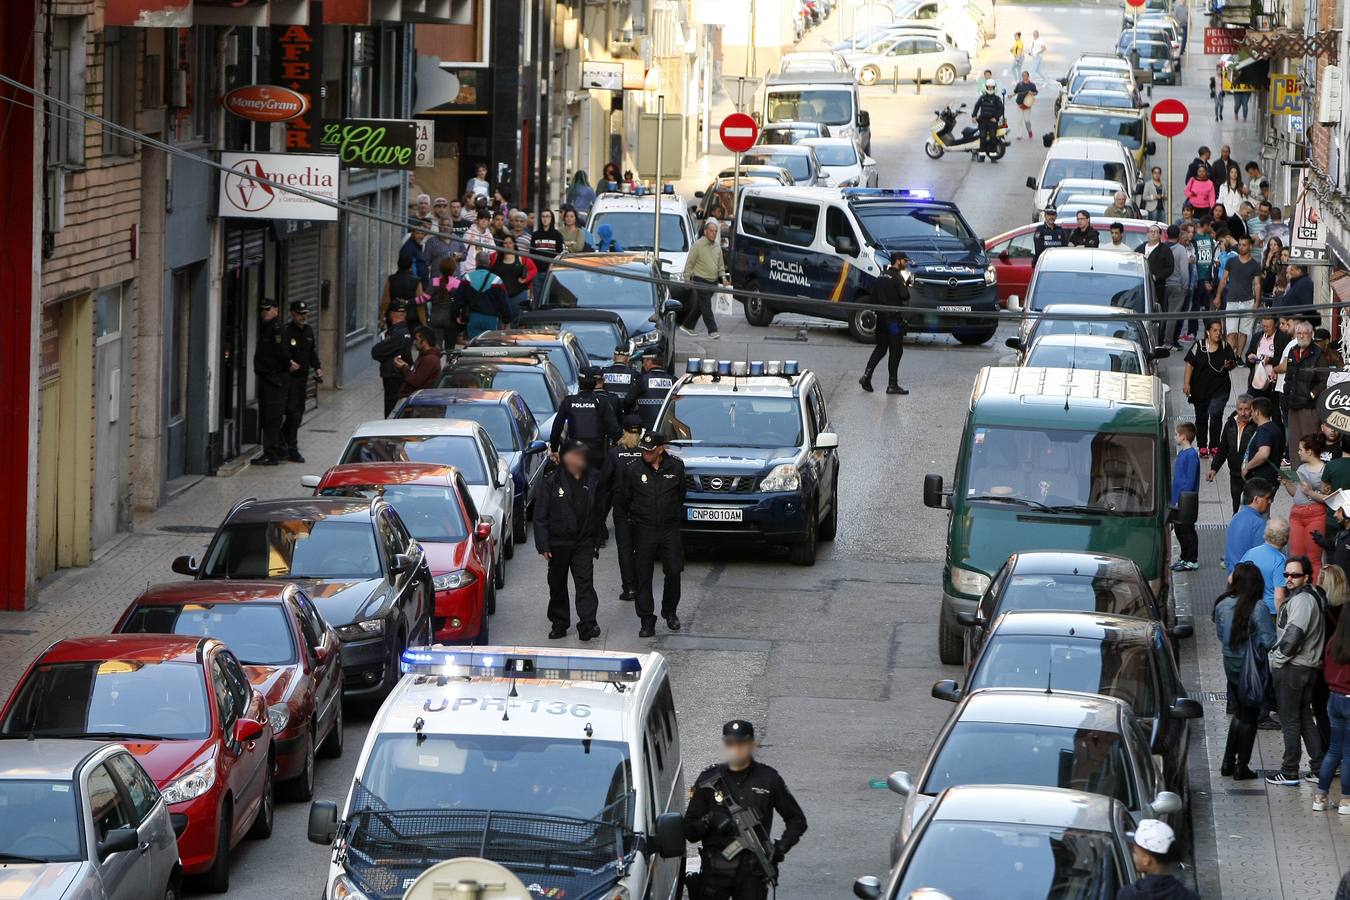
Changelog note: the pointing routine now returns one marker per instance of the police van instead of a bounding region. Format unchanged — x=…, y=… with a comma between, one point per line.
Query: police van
x=630, y=214
x=761, y=461
x=828, y=245
x=563, y=767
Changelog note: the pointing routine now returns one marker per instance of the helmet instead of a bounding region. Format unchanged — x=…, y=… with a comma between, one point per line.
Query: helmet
x=989, y=86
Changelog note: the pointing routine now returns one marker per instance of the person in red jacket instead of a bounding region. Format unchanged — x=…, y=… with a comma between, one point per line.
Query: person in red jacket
x=427, y=370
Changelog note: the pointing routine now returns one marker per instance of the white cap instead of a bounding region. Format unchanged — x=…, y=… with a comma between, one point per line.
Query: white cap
x=1154, y=835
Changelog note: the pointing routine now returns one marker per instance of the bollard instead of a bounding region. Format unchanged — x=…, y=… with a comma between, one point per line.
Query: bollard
x=895, y=79
x=918, y=79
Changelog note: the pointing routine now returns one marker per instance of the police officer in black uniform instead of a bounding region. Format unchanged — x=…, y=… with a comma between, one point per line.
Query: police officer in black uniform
x=751, y=785
x=623, y=454
x=304, y=359
x=588, y=417
x=988, y=113
x=397, y=343
x=1048, y=234
x=650, y=494
x=654, y=383
x=568, y=511
x=891, y=291
x=621, y=380
x=271, y=363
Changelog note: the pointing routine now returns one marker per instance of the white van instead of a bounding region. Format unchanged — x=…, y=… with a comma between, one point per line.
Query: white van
x=1096, y=158
x=948, y=11
x=830, y=98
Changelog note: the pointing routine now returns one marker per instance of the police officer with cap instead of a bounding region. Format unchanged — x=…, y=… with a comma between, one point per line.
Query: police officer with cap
x=1048, y=233
x=568, y=511
x=654, y=383
x=623, y=454
x=650, y=494
x=397, y=343
x=729, y=871
x=621, y=380
x=271, y=364
x=587, y=417
x=304, y=359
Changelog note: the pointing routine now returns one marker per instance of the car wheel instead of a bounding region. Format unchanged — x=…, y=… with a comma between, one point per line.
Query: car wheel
x=171, y=889
x=862, y=323
x=934, y=149
x=519, y=522
x=262, y=821
x=499, y=572
x=803, y=553
x=216, y=879
x=757, y=312
x=945, y=74
x=830, y=527
x=301, y=787
x=977, y=335
x=951, y=643
x=868, y=75
x=332, y=744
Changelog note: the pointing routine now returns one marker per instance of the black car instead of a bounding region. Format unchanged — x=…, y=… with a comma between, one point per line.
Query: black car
x=600, y=331
x=355, y=560
x=593, y=281
x=538, y=381
x=1122, y=657
x=1066, y=580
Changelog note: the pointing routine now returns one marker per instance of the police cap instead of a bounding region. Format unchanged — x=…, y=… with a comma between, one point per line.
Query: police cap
x=570, y=446
x=267, y=303
x=621, y=350
x=590, y=372
x=738, y=730
x=1050, y=211
x=650, y=440
x=632, y=422
x=300, y=306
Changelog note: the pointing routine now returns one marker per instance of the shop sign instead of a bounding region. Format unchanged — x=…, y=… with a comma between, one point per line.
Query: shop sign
x=426, y=143
x=1223, y=41
x=1334, y=407
x=370, y=143
x=266, y=103
x=243, y=196
x=297, y=63
x=1286, y=95
x=1308, y=233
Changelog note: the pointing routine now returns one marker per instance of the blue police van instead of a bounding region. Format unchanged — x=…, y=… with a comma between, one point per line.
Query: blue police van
x=828, y=245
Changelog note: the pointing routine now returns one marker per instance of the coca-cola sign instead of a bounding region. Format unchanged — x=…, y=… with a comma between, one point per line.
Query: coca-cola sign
x=266, y=103
x=1334, y=407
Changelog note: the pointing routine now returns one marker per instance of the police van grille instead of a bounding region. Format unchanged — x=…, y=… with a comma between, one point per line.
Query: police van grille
x=943, y=291
x=720, y=484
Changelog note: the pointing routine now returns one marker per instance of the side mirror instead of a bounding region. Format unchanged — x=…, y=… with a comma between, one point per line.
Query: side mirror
x=246, y=730
x=1160, y=353
x=185, y=565
x=864, y=119
x=1181, y=632
x=1014, y=303
x=1013, y=343
x=309, y=481
x=933, y=496
x=322, y=653
x=535, y=447
x=671, y=306
x=670, y=835
x=698, y=195
x=503, y=473
x=119, y=840
x=969, y=619
x=900, y=783
x=1165, y=804
x=1188, y=508
x=1031, y=182
x=1047, y=139
x=483, y=530
x=827, y=440
x=946, y=689
x=1150, y=148
x=323, y=815
x=1003, y=257
x=402, y=563
x=844, y=244
x=867, y=887
x=1185, y=708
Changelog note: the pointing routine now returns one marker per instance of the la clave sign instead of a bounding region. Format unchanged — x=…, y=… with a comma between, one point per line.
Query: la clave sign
x=244, y=194
x=371, y=143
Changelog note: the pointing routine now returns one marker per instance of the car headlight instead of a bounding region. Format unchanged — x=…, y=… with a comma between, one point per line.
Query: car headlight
x=192, y=784
x=967, y=582
x=642, y=340
x=363, y=629
x=990, y=275
x=451, y=580
x=280, y=716
x=343, y=889
x=782, y=478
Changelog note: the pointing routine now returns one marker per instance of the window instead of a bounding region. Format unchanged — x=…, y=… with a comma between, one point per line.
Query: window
x=837, y=225
x=220, y=684
x=294, y=548
x=904, y=48
x=1023, y=246
x=311, y=624
x=144, y=795
x=108, y=313
x=131, y=698
x=817, y=400
x=361, y=101
x=119, y=88
x=778, y=220
x=109, y=807
x=467, y=499
x=65, y=129
x=389, y=538
x=241, y=691
x=258, y=632
x=927, y=46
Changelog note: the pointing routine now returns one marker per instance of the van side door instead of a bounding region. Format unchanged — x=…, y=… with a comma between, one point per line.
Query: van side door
x=665, y=783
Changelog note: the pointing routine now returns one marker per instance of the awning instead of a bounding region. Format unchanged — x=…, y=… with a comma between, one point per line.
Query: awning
x=261, y=13
x=1284, y=44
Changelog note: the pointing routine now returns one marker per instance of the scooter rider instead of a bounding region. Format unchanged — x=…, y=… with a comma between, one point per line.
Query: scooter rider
x=988, y=113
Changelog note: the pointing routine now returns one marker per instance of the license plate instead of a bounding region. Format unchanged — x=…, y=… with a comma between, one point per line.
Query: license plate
x=718, y=514
x=953, y=309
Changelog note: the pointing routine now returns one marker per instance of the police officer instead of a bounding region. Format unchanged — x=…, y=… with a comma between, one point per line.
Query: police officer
x=304, y=359
x=750, y=784
x=568, y=511
x=890, y=290
x=623, y=454
x=988, y=113
x=397, y=343
x=1048, y=234
x=650, y=494
x=621, y=380
x=586, y=417
x=654, y=383
x=271, y=363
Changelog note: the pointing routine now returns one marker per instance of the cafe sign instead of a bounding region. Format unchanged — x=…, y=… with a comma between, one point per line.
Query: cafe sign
x=370, y=143
x=266, y=103
x=1334, y=407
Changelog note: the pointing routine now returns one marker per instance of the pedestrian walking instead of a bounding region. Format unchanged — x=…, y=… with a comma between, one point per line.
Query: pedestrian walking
x=1336, y=671
x=704, y=266
x=1024, y=96
x=395, y=346
x=1036, y=54
x=891, y=290
x=402, y=285
x=516, y=273
x=480, y=300
x=1117, y=242
x=1239, y=290
x=575, y=238
x=1307, y=516
x=1232, y=447
x=1305, y=372
x=426, y=372
x=1266, y=448
x=585, y=417
x=478, y=184
x=1295, y=663
x=651, y=495
x=568, y=511
x=1153, y=846
x=1267, y=347
x=623, y=454
x=303, y=348
x=1232, y=192
x=1241, y=619
x=1018, y=52
x=1185, y=477
x=1155, y=196
x=1241, y=100
x=545, y=243
x=1206, y=383
x=441, y=306
x=272, y=366
x=730, y=871
x=654, y=383
x=580, y=195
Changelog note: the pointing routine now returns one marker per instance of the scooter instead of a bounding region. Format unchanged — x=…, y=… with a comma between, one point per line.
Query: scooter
x=944, y=139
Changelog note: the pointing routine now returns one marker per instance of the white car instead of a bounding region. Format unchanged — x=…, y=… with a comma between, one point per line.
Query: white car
x=842, y=163
x=1095, y=353
x=813, y=61
x=630, y=218
x=453, y=442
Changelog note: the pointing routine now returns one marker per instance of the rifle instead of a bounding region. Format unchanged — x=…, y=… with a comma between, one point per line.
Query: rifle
x=748, y=829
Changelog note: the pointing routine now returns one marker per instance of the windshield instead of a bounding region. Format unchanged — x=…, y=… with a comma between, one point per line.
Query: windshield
x=1101, y=472
x=495, y=419
x=1082, y=593
x=294, y=548
x=835, y=154
x=1056, y=170
x=591, y=289
x=112, y=699
x=1129, y=131
x=633, y=230
x=1102, y=326
x=729, y=420
x=1116, y=668
x=786, y=135
x=1153, y=50
x=797, y=164
x=598, y=339
x=530, y=381
x=1109, y=100
x=825, y=105
x=1027, y=862
x=1119, y=78
x=1097, y=288
x=41, y=822
x=1080, y=759
x=896, y=224
x=459, y=450
x=259, y=634
x=1097, y=359
x=430, y=512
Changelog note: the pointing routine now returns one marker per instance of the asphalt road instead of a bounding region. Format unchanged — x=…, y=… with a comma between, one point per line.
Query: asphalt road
x=832, y=663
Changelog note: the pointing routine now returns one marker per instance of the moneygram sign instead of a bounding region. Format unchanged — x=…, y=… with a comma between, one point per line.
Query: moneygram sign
x=245, y=195
x=266, y=103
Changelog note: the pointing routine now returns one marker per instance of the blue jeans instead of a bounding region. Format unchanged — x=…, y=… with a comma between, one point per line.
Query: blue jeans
x=1338, y=755
x=1240, y=101
x=1158, y=215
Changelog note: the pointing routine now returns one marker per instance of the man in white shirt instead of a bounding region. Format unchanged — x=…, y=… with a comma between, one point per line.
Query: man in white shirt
x=1117, y=242
x=1036, y=52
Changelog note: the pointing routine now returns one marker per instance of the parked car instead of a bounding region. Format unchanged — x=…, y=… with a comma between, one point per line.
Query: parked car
x=83, y=821
x=593, y=281
x=564, y=350
x=813, y=61
x=1086, y=276
x=718, y=194
x=354, y=558
x=780, y=133
x=798, y=159
x=1154, y=62
x=1104, y=188
x=910, y=54
x=1087, y=321
x=600, y=331
x=1098, y=354
x=537, y=380
x=1014, y=252
x=842, y=163
x=184, y=708
x=286, y=648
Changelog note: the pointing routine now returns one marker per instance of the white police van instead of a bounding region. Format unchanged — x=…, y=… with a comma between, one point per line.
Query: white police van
x=630, y=216
x=563, y=767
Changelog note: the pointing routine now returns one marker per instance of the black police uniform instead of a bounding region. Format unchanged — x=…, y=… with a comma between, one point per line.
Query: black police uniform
x=621, y=458
x=397, y=342
x=304, y=352
x=588, y=417
x=1048, y=236
x=271, y=363
x=890, y=291
x=567, y=516
x=653, y=386
x=621, y=380
x=652, y=497
x=988, y=112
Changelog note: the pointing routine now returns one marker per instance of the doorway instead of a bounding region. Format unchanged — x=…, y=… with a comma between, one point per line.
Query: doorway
x=243, y=287
x=111, y=412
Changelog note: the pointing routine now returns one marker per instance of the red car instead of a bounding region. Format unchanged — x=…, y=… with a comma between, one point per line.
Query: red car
x=288, y=652
x=434, y=503
x=1013, y=253
x=185, y=709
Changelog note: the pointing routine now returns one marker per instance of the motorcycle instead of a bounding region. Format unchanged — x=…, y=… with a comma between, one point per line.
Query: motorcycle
x=944, y=137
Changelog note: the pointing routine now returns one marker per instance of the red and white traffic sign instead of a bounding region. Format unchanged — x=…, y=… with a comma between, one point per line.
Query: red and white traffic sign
x=1169, y=117
x=738, y=132
x=1135, y=3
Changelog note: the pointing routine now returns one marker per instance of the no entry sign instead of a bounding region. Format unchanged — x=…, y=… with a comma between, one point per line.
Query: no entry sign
x=738, y=132
x=1169, y=118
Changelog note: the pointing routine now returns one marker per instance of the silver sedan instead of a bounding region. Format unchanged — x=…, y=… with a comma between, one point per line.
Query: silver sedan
x=910, y=55
x=842, y=163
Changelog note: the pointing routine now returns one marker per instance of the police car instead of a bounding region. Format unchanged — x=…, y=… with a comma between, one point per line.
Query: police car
x=760, y=460
x=628, y=213
x=830, y=244
x=565, y=768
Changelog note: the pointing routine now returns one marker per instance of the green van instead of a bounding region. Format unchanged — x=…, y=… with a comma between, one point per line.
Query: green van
x=1056, y=459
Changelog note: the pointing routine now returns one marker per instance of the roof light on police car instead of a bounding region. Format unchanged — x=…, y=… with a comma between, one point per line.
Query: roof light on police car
x=692, y=365
x=773, y=367
x=739, y=368
x=708, y=366
x=756, y=367
x=724, y=367
x=790, y=367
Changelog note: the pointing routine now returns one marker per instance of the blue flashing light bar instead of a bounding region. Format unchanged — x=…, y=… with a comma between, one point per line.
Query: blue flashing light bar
x=696, y=365
x=668, y=188
x=907, y=193
x=724, y=367
x=756, y=367
x=790, y=367
x=455, y=662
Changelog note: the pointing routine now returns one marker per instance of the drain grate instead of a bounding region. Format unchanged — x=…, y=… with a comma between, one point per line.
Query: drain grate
x=187, y=529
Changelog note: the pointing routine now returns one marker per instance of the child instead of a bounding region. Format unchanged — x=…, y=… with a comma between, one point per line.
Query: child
x=1185, y=477
x=1151, y=846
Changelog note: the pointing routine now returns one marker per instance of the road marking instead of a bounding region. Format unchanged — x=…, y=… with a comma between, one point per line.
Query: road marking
x=739, y=132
